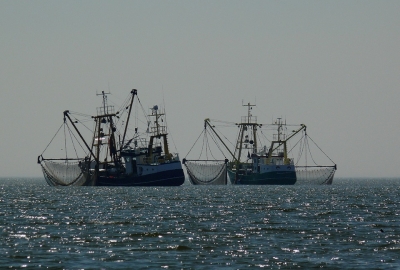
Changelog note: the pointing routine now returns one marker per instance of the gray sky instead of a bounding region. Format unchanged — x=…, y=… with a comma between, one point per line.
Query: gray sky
x=333, y=65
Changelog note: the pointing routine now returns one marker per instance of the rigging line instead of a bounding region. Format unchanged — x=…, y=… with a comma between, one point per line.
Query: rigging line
x=124, y=103
x=301, y=149
x=167, y=129
x=309, y=150
x=136, y=118
x=84, y=120
x=262, y=143
x=123, y=109
x=53, y=137
x=259, y=143
x=110, y=102
x=208, y=147
x=216, y=143
x=144, y=112
x=205, y=142
x=235, y=147
x=221, y=134
x=65, y=144
x=272, y=125
x=305, y=145
x=261, y=131
x=202, y=147
x=320, y=149
x=72, y=141
x=296, y=144
x=73, y=135
x=80, y=114
x=220, y=121
x=79, y=121
x=224, y=126
x=195, y=142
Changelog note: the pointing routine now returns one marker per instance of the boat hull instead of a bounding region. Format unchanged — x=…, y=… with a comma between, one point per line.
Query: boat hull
x=268, y=178
x=166, y=178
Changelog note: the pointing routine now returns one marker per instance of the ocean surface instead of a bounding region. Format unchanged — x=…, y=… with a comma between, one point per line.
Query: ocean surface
x=352, y=224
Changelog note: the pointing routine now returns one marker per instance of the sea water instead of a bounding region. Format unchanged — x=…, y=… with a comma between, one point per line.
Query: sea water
x=352, y=224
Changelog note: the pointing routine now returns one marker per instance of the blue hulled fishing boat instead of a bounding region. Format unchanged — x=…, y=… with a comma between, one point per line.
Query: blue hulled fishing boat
x=110, y=157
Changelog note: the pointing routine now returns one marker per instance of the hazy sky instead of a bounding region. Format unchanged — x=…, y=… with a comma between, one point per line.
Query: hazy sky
x=333, y=65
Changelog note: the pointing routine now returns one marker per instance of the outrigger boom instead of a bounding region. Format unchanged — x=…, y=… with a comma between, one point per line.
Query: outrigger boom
x=263, y=166
x=144, y=160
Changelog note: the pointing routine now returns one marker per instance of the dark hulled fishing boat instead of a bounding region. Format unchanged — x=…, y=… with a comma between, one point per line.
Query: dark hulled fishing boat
x=249, y=162
x=260, y=167
x=113, y=160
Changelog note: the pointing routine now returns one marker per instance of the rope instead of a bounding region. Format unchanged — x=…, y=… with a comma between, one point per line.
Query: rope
x=301, y=149
x=216, y=143
x=205, y=143
x=194, y=143
x=309, y=151
x=202, y=147
x=166, y=124
x=71, y=134
x=222, y=135
x=296, y=144
x=321, y=149
x=65, y=142
x=53, y=137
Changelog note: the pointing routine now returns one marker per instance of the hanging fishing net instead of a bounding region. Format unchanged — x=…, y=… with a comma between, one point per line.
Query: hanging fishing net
x=308, y=170
x=209, y=172
x=315, y=175
x=63, y=173
x=206, y=169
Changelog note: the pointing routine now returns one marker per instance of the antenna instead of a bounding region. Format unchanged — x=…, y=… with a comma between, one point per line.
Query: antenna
x=249, y=108
x=104, y=100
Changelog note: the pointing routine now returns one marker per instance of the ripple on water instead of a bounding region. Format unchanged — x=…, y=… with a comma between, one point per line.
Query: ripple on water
x=341, y=226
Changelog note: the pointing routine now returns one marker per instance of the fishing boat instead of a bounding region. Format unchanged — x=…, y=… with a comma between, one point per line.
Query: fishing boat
x=111, y=158
x=254, y=163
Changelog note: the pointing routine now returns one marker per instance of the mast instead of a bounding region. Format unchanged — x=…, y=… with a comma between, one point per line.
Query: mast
x=133, y=92
x=158, y=130
x=104, y=100
x=105, y=114
x=248, y=121
x=283, y=142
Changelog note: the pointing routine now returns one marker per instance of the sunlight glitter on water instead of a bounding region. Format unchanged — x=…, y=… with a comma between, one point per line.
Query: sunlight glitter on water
x=348, y=226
